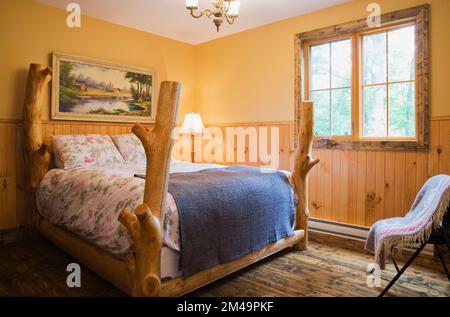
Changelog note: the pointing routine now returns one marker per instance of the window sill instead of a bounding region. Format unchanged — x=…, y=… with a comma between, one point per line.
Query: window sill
x=371, y=145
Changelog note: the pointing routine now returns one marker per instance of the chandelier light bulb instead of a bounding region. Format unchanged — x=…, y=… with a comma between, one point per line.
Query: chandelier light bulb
x=233, y=10
x=192, y=4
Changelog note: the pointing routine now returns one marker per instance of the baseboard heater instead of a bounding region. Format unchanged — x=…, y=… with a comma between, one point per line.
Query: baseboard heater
x=348, y=231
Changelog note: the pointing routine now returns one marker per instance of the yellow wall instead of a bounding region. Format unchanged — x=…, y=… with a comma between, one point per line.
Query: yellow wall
x=249, y=76
x=245, y=77
x=31, y=31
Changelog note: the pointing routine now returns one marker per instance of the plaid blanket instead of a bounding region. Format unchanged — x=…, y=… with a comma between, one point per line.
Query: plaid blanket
x=426, y=213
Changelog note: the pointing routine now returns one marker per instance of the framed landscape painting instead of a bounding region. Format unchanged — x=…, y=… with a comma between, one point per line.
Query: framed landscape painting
x=86, y=89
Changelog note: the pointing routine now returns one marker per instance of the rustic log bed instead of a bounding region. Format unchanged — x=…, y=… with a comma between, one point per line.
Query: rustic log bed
x=139, y=274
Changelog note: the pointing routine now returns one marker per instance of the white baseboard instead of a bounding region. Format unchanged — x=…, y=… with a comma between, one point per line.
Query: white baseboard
x=338, y=229
x=349, y=231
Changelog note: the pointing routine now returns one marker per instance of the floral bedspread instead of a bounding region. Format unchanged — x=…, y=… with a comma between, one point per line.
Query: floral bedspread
x=87, y=201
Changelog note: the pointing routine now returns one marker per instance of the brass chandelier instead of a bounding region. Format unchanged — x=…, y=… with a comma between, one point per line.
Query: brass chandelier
x=224, y=10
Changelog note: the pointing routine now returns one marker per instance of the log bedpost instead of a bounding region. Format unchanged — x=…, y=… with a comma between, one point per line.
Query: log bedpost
x=36, y=149
x=37, y=154
x=145, y=225
x=302, y=166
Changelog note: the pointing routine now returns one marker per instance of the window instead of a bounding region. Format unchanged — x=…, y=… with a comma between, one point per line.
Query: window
x=368, y=84
x=388, y=83
x=331, y=87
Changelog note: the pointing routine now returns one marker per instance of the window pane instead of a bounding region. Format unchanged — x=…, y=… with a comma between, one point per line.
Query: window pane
x=341, y=64
x=401, y=110
x=374, y=111
x=374, y=58
x=401, y=54
x=341, y=113
x=321, y=112
x=320, y=67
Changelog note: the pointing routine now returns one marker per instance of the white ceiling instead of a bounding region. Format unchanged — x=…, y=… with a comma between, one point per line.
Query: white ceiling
x=170, y=18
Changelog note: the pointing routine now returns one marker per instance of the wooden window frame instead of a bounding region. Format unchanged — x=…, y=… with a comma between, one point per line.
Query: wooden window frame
x=419, y=17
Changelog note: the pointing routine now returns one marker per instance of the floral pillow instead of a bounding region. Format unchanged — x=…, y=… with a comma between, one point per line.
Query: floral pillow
x=84, y=150
x=130, y=147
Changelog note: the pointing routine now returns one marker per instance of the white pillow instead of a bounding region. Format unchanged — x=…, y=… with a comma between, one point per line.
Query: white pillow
x=85, y=150
x=131, y=148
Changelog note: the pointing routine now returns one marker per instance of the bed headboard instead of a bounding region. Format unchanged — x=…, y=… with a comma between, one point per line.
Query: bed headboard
x=37, y=141
x=38, y=133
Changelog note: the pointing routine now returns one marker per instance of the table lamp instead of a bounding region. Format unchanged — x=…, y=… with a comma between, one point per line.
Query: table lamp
x=192, y=125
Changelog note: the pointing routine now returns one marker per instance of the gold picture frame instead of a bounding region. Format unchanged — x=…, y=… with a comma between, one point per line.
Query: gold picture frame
x=87, y=89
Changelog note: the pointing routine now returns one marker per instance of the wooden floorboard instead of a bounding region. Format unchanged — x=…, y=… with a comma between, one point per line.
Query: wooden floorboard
x=332, y=266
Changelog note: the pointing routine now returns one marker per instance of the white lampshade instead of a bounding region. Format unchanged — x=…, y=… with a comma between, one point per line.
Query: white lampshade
x=192, y=124
x=233, y=10
x=192, y=4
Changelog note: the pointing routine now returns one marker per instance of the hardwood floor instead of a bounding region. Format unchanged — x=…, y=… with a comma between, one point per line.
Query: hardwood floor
x=332, y=266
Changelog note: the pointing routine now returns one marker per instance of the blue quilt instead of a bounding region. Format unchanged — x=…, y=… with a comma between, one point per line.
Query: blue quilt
x=230, y=212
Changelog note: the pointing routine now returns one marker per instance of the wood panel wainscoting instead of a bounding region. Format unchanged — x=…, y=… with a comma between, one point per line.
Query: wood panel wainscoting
x=349, y=186
x=359, y=187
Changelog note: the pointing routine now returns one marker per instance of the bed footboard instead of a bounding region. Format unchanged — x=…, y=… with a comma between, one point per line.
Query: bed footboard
x=144, y=224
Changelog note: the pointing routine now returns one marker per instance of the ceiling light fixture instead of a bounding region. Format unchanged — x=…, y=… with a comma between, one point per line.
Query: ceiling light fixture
x=224, y=10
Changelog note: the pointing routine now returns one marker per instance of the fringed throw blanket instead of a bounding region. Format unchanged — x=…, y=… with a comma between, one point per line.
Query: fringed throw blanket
x=416, y=226
x=230, y=212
